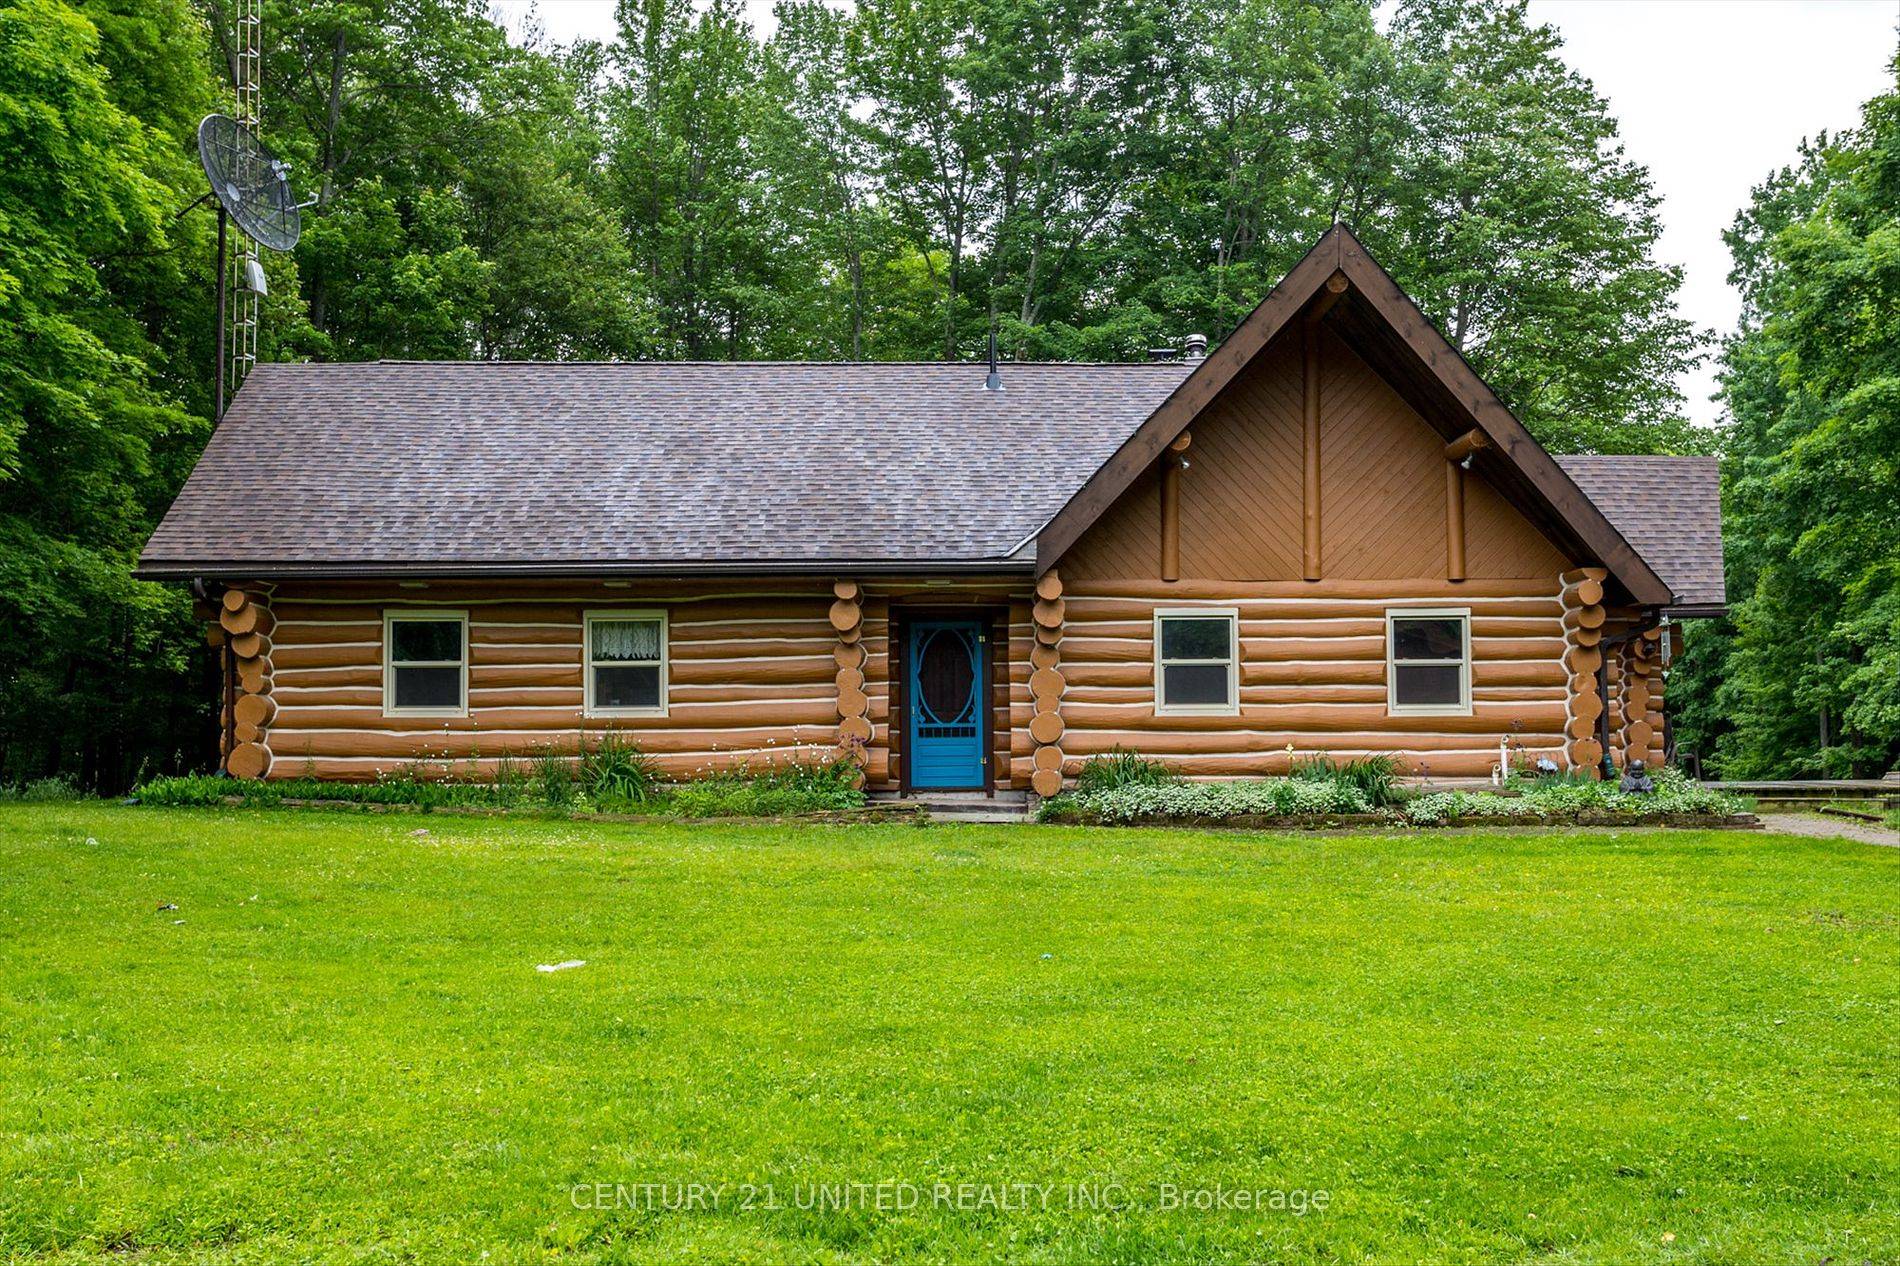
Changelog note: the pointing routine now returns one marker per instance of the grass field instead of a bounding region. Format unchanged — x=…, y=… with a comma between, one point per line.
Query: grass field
x=1568, y=1047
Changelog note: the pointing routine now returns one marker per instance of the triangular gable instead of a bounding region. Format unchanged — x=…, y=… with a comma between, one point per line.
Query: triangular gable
x=1402, y=345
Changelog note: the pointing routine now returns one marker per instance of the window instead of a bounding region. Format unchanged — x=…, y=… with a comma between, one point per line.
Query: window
x=1428, y=662
x=1195, y=662
x=425, y=663
x=626, y=663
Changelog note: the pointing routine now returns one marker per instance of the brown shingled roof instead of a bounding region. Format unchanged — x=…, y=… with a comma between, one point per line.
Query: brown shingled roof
x=532, y=466
x=1670, y=510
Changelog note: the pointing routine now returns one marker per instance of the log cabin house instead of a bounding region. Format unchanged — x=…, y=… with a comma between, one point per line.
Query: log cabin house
x=1326, y=535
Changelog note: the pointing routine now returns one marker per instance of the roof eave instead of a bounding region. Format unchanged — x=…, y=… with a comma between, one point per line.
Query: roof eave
x=396, y=570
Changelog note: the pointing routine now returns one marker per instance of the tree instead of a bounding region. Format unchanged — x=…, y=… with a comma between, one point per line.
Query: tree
x=1810, y=672
x=1518, y=223
x=685, y=180
x=88, y=657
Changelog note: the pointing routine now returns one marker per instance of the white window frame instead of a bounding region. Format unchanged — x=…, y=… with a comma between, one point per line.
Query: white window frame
x=393, y=617
x=1229, y=709
x=1392, y=705
x=588, y=618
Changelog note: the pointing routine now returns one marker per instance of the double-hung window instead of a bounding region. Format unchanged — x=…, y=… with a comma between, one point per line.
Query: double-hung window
x=425, y=663
x=1197, y=662
x=626, y=663
x=1428, y=662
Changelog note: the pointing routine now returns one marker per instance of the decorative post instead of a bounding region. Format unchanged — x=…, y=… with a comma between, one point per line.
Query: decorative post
x=1046, y=685
x=1173, y=462
x=854, y=722
x=1583, y=659
x=1457, y=453
x=247, y=622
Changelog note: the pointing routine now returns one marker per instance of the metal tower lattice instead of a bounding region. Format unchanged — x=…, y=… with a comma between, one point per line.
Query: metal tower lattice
x=247, y=70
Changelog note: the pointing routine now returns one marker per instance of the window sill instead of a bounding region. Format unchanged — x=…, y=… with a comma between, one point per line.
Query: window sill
x=425, y=714
x=1454, y=711
x=623, y=714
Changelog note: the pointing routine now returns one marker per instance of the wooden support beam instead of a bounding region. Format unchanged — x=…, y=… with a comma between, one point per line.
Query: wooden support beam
x=1454, y=521
x=1310, y=444
x=1465, y=445
x=1171, y=466
x=1323, y=302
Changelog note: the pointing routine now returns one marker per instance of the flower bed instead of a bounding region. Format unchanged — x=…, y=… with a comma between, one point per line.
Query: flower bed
x=611, y=778
x=1310, y=801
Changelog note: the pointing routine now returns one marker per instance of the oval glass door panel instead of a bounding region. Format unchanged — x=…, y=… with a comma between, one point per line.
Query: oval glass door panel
x=945, y=676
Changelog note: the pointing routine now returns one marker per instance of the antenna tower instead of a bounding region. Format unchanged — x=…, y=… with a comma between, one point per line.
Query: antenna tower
x=247, y=73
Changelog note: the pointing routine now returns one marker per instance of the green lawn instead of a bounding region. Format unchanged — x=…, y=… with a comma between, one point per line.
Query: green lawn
x=1587, y=1046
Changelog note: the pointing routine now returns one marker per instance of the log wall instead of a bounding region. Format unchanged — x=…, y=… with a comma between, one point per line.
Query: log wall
x=1313, y=676
x=753, y=671
x=758, y=671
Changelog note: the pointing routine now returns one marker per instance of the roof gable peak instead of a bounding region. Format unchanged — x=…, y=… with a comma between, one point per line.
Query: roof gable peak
x=1338, y=281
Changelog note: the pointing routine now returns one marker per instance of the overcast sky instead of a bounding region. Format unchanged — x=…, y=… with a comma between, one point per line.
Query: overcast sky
x=1712, y=95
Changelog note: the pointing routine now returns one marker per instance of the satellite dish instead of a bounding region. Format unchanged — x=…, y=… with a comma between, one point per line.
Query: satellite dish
x=249, y=182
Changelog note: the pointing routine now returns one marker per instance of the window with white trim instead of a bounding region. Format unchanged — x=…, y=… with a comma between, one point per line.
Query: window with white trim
x=1428, y=662
x=626, y=663
x=1197, y=662
x=425, y=663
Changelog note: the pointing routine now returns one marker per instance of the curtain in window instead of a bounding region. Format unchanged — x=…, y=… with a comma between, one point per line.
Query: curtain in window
x=626, y=639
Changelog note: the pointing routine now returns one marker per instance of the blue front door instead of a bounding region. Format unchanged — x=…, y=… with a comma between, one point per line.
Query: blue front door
x=946, y=704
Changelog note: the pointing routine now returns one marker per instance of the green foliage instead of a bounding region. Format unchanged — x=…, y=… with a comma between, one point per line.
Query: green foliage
x=791, y=787
x=1252, y=797
x=554, y=777
x=1805, y=678
x=1375, y=777
x=1318, y=787
x=412, y=789
x=52, y=790
x=614, y=769
x=99, y=310
x=1121, y=768
x=1557, y=798
x=610, y=774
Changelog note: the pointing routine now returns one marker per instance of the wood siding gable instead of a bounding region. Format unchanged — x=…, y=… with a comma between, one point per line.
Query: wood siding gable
x=1394, y=338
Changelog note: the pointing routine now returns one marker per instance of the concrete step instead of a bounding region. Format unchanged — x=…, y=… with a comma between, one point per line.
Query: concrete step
x=965, y=806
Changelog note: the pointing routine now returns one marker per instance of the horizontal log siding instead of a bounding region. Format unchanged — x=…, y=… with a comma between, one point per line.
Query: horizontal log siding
x=1312, y=675
x=751, y=670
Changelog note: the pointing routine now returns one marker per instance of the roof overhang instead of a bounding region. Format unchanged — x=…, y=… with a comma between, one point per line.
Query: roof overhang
x=1022, y=565
x=1387, y=329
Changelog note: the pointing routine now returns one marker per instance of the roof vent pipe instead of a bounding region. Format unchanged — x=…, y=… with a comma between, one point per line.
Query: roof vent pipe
x=995, y=380
x=1194, y=347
